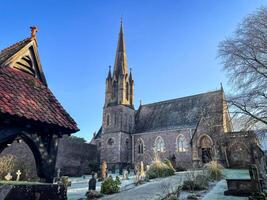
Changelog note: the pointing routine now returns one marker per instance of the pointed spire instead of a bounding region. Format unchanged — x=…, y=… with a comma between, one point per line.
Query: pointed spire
x=121, y=43
x=109, y=73
x=130, y=77
x=121, y=66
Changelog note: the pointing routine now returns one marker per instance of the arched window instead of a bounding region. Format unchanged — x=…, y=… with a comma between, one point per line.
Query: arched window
x=181, y=145
x=108, y=119
x=140, y=146
x=159, y=144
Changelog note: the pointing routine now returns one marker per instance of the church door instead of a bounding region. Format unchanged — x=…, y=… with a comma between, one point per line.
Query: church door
x=205, y=147
x=206, y=155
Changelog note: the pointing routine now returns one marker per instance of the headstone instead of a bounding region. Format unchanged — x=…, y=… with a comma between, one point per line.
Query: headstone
x=253, y=172
x=58, y=173
x=125, y=174
x=92, y=182
x=8, y=177
x=173, y=161
x=255, y=177
x=18, y=175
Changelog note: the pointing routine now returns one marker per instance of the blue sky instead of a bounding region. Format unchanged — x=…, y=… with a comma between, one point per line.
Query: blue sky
x=171, y=46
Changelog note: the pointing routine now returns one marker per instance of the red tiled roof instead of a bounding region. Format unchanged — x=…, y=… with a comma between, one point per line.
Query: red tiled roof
x=22, y=95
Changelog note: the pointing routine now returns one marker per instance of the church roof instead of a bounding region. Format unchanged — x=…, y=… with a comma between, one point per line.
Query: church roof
x=177, y=113
x=11, y=50
x=24, y=95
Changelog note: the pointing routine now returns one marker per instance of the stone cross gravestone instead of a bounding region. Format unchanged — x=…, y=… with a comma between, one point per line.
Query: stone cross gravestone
x=92, y=182
x=8, y=177
x=18, y=175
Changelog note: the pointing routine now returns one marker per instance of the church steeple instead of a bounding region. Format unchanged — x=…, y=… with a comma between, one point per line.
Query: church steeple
x=121, y=65
x=119, y=87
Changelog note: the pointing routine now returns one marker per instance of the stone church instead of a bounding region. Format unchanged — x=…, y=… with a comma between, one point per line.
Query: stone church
x=190, y=129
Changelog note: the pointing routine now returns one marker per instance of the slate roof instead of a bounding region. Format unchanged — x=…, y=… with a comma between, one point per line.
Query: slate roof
x=24, y=96
x=178, y=113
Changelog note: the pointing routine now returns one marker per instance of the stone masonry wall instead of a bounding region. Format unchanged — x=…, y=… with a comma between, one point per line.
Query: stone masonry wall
x=73, y=158
x=182, y=158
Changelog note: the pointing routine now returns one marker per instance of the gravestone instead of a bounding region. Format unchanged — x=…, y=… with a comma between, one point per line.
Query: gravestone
x=18, y=175
x=92, y=182
x=125, y=174
x=58, y=173
x=255, y=177
x=173, y=161
x=8, y=177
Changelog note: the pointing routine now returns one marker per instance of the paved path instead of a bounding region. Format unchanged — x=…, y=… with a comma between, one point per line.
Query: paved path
x=154, y=190
x=217, y=192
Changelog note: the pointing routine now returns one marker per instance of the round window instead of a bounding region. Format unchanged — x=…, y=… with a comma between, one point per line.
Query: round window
x=110, y=141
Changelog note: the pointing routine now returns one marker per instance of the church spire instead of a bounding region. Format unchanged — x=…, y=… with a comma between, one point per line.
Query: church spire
x=109, y=73
x=120, y=86
x=121, y=65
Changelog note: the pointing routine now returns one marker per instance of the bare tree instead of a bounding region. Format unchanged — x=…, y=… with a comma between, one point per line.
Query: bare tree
x=244, y=56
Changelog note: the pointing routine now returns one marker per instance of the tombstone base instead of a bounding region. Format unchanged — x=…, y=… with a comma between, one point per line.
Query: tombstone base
x=242, y=187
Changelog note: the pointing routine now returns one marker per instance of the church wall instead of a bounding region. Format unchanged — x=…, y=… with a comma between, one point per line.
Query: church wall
x=121, y=119
x=116, y=153
x=182, y=158
x=110, y=152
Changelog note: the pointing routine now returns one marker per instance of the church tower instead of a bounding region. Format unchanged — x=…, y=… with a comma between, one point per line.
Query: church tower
x=118, y=113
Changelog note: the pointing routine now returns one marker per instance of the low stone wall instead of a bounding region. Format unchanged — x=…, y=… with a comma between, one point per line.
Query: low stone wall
x=74, y=158
x=32, y=192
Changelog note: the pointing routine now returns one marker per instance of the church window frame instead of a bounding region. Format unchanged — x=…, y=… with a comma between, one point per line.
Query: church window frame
x=181, y=143
x=160, y=144
x=140, y=146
